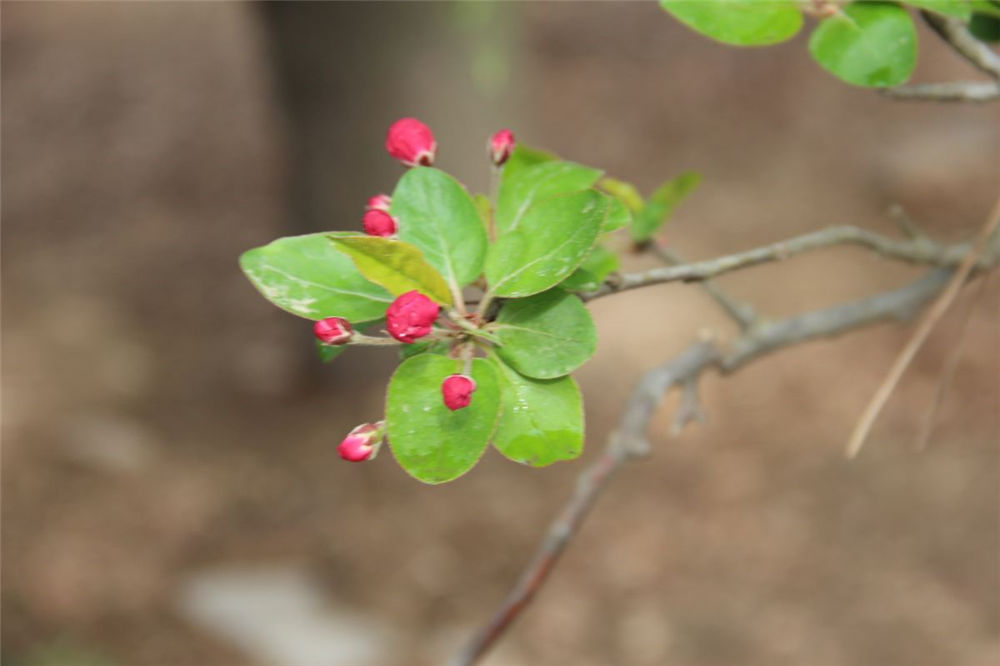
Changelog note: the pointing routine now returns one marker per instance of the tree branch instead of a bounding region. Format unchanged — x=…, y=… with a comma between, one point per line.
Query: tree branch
x=955, y=91
x=955, y=33
x=744, y=315
x=913, y=250
x=629, y=439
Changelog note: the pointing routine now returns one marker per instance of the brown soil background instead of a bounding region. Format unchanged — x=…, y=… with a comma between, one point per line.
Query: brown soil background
x=157, y=419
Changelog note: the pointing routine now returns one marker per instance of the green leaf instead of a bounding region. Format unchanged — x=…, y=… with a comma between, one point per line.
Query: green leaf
x=867, y=44
x=591, y=274
x=986, y=7
x=738, y=22
x=541, y=420
x=661, y=204
x=985, y=27
x=431, y=442
x=329, y=352
x=393, y=264
x=422, y=347
x=625, y=192
x=551, y=241
x=524, y=188
x=308, y=277
x=485, y=209
x=616, y=215
x=959, y=9
x=438, y=216
x=524, y=157
x=545, y=336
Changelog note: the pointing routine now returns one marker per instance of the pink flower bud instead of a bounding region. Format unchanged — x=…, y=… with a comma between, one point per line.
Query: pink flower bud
x=379, y=223
x=501, y=146
x=411, y=316
x=457, y=391
x=379, y=202
x=411, y=142
x=333, y=330
x=362, y=443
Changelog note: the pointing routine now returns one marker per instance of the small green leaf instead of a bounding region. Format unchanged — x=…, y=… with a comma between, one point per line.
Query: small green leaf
x=985, y=27
x=591, y=274
x=422, y=347
x=986, y=7
x=867, y=44
x=329, y=352
x=439, y=217
x=551, y=241
x=393, y=264
x=545, y=336
x=308, y=277
x=533, y=184
x=485, y=209
x=661, y=204
x=541, y=420
x=431, y=442
x=625, y=192
x=738, y=22
x=524, y=157
x=616, y=215
x=960, y=9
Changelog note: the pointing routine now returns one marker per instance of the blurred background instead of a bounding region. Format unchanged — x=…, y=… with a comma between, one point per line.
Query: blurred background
x=172, y=495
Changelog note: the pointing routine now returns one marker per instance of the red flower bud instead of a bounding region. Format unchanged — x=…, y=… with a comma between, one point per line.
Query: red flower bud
x=362, y=443
x=457, y=391
x=379, y=202
x=379, y=223
x=411, y=316
x=501, y=146
x=333, y=330
x=411, y=142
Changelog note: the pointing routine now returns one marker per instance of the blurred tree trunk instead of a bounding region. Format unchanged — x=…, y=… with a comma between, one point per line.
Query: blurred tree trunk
x=343, y=71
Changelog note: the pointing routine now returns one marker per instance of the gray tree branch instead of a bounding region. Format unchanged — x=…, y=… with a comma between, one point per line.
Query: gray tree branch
x=913, y=250
x=629, y=439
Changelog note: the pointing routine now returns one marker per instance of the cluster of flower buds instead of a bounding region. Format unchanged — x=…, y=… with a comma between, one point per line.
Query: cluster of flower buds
x=411, y=316
x=333, y=331
x=363, y=442
x=457, y=391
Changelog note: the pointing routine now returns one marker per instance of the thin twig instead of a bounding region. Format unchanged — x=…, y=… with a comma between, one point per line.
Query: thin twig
x=743, y=313
x=629, y=439
x=913, y=250
x=955, y=33
x=930, y=318
x=952, y=91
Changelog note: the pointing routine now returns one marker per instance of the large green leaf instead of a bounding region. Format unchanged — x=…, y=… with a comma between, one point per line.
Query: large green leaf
x=393, y=264
x=960, y=9
x=545, y=336
x=551, y=240
x=431, y=442
x=591, y=274
x=867, y=44
x=541, y=420
x=738, y=22
x=661, y=204
x=307, y=276
x=438, y=216
x=520, y=190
